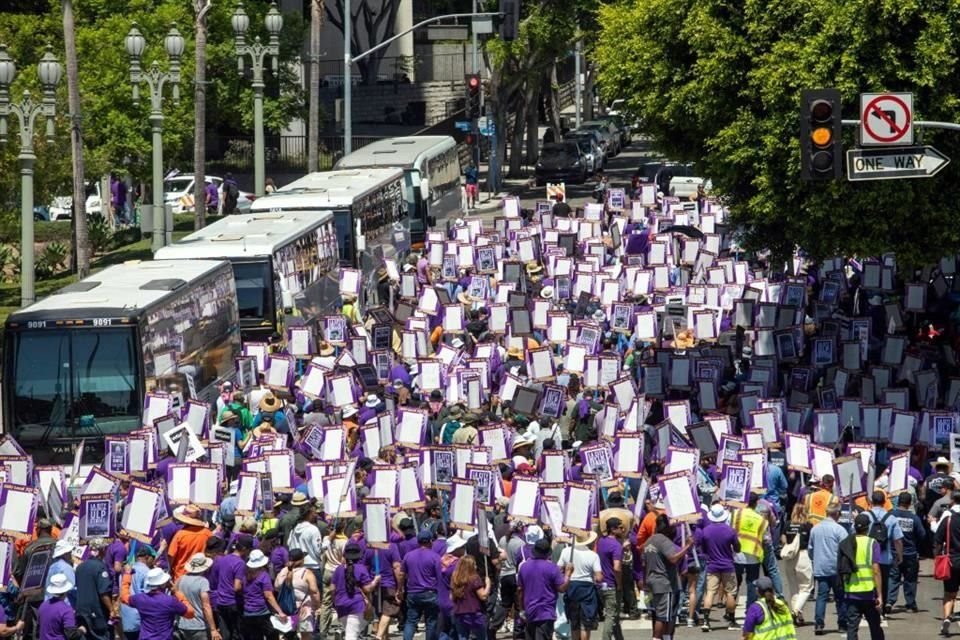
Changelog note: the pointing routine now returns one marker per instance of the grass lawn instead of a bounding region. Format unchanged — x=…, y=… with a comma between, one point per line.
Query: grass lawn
x=60, y=231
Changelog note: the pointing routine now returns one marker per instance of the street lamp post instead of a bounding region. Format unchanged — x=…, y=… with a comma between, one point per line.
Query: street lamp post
x=156, y=80
x=258, y=53
x=27, y=111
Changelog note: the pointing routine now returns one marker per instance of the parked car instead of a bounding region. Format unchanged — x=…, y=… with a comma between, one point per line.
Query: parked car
x=561, y=162
x=597, y=141
x=663, y=172
x=590, y=151
x=609, y=131
x=62, y=206
x=178, y=191
x=624, y=129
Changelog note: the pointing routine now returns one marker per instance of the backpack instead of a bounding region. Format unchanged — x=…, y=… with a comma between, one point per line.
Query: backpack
x=287, y=596
x=878, y=530
x=232, y=190
x=446, y=433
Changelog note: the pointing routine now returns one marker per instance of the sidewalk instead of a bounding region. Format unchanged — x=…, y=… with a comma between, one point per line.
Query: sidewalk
x=508, y=187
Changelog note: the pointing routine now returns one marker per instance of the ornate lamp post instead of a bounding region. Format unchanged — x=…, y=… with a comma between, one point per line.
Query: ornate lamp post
x=257, y=52
x=27, y=111
x=156, y=81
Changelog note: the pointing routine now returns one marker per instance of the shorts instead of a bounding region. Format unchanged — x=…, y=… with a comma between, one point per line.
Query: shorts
x=722, y=582
x=473, y=190
x=389, y=605
x=665, y=606
x=576, y=618
x=952, y=584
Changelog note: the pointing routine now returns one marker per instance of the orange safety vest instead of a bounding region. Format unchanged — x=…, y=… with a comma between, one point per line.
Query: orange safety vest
x=817, y=503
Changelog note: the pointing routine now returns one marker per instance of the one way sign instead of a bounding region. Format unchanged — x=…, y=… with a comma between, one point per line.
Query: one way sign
x=892, y=164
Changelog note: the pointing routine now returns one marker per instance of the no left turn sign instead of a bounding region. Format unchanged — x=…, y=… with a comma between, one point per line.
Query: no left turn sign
x=886, y=119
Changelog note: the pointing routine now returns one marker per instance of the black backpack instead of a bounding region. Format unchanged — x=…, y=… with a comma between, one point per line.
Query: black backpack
x=878, y=530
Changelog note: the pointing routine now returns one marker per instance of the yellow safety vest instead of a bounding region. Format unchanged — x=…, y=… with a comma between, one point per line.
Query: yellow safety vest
x=775, y=627
x=861, y=581
x=750, y=527
x=267, y=525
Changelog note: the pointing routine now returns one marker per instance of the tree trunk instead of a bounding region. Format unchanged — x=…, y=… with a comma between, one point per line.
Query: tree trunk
x=202, y=7
x=553, y=101
x=81, y=237
x=588, y=93
x=533, y=124
x=313, y=119
x=516, y=137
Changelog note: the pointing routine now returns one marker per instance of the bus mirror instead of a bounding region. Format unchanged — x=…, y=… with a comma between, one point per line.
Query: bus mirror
x=425, y=189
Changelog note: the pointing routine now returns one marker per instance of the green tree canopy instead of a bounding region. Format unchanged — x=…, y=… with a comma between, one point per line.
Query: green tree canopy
x=718, y=82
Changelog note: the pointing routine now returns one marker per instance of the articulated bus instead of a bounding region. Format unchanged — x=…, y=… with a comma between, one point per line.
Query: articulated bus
x=76, y=365
x=367, y=205
x=432, y=172
x=283, y=264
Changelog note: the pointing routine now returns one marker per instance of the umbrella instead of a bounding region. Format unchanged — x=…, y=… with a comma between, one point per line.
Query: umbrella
x=685, y=229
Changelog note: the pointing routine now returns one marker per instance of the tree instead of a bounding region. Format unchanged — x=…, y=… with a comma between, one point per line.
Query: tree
x=371, y=23
x=719, y=83
x=80, y=236
x=313, y=124
x=201, y=8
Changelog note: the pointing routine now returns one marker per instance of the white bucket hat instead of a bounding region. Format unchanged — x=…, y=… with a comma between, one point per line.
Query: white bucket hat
x=257, y=559
x=59, y=584
x=157, y=577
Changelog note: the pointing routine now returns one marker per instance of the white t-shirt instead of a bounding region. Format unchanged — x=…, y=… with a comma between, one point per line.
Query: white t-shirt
x=586, y=564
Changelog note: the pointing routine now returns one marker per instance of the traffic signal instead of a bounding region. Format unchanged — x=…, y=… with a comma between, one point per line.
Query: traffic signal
x=469, y=139
x=473, y=95
x=509, y=19
x=821, y=147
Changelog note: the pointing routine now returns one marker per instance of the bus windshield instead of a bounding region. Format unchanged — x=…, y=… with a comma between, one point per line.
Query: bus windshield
x=67, y=380
x=253, y=289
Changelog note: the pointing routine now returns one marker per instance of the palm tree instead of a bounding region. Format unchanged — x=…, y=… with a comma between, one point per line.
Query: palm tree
x=202, y=7
x=313, y=121
x=81, y=237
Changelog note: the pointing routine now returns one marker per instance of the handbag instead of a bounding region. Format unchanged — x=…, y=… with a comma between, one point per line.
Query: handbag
x=942, y=567
x=791, y=550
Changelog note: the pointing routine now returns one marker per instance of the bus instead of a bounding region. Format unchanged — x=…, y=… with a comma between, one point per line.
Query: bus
x=368, y=211
x=77, y=364
x=281, y=263
x=432, y=171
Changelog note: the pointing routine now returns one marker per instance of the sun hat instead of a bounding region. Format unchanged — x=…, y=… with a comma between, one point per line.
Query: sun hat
x=299, y=499
x=270, y=402
x=659, y=505
x=59, y=584
x=599, y=315
x=718, y=514
x=455, y=542
x=257, y=559
x=98, y=544
x=227, y=416
x=198, y=563
x=157, y=577
x=532, y=534
x=546, y=292
x=582, y=540
x=189, y=514
x=465, y=298
x=942, y=462
x=62, y=547
x=515, y=352
x=372, y=401
x=325, y=348
x=350, y=411
x=533, y=268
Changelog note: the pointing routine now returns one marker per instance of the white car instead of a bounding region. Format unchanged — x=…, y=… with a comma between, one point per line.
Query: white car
x=686, y=186
x=178, y=191
x=62, y=206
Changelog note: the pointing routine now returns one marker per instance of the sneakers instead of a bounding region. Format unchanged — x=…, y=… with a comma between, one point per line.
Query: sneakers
x=705, y=627
x=912, y=608
x=818, y=630
x=945, y=628
x=883, y=622
x=689, y=623
x=732, y=625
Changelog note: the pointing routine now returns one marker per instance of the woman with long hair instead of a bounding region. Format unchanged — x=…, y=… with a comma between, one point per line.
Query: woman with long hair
x=352, y=586
x=305, y=591
x=469, y=591
x=768, y=614
x=796, y=561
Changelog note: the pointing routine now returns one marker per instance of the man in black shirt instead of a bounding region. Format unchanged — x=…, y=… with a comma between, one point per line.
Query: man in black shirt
x=561, y=209
x=933, y=492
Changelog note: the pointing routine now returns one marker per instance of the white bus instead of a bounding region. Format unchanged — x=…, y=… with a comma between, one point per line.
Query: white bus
x=431, y=166
x=367, y=205
x=76, y=364
x=281, y=263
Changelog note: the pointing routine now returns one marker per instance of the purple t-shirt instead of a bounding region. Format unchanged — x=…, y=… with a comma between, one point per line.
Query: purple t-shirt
x=158, y=613
x=167, y=532
x=228, y=568
x=407, y=545
x=279, y=558
x=470, y=602
x=422, y=568
x=344, y=604
x=443, y=585
x=254, y=588
x=439, y=547
x=753, y=617
x=387, y=557
x=53, y=617
x=716, y=540
x=116, y=551
x=540, y=580
x=609, y=549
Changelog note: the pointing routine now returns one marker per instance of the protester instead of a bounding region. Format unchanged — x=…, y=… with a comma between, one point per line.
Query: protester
x=468, y=591
x=943, y=543
x=610, y=550
x=259, y=602
x=420, y=578
x=751, y=527
x=195, y=588
x=796, y=561
x=306, y=592
x=130, y=617
x=661, y=557
x=159, y=605
x=188, y=541
x=352, y=585
x=823, y=548
x=769, y=616
x=906, y=572
x=56, y=618
x=539, y=585
x=720, y=544
x=859, y=570
x=95, y=591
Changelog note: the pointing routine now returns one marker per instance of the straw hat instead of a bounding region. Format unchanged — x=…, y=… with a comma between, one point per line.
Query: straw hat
x=198, y=563
x=534, y=268
x=465, y=298
x=684, y=340
x=270, y=402
x=189, y=514
x=582, y=540
x=515, y=352
x=59, y=584
x=325, y=348
x=299, y=499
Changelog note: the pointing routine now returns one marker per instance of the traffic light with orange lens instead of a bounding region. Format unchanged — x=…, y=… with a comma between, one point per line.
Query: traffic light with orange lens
x=821, y=146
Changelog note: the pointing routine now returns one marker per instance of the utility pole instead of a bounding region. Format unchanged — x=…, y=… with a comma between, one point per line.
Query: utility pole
x=577, y=54
x=347, y=80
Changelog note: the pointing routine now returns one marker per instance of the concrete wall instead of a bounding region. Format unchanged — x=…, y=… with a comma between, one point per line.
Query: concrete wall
x=371, y=102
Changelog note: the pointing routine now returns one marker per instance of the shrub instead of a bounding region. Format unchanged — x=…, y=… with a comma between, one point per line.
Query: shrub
x=52, y=260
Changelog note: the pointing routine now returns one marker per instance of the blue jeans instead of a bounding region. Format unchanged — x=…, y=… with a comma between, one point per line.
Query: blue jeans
x=826, y=584
x=905, y=572
x=423, y=605
x=772, y=568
